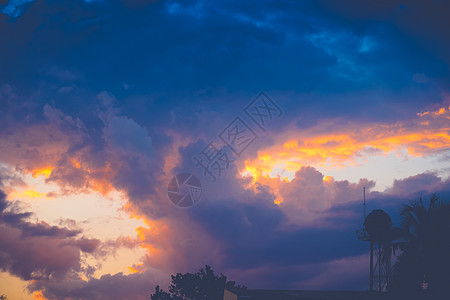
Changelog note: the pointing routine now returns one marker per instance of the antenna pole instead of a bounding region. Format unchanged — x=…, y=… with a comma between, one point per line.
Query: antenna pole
x=364, y=190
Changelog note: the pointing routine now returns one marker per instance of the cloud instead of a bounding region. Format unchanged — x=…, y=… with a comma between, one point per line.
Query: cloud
x=425, y=182
x=237, y=226
x=244, y=232
x=118, y=154
x=421, y=21
x=334, y=144
x=280, y=40
x=308, y=198
x=118, y=286
x=37, y=250
x=53, y=258
x=340, y=274
x=15, y=8
x=242, y=229
x=9, y=178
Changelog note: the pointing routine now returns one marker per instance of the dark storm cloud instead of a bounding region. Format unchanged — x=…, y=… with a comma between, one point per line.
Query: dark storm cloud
x=188, y=49
x=254, y=238
x=424, y=23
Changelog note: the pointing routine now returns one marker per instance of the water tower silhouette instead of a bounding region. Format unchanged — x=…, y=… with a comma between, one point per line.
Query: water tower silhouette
x=379, y=232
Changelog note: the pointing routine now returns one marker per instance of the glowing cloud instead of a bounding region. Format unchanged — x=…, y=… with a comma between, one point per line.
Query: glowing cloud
x=46, y=172
x=27, y=194
x=38, y=295
x=343, y=145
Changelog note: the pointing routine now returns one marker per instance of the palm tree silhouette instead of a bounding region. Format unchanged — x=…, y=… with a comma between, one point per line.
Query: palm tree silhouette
x=423, y=267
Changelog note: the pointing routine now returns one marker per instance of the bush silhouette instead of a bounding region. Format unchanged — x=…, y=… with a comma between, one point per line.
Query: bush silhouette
x=199, y=286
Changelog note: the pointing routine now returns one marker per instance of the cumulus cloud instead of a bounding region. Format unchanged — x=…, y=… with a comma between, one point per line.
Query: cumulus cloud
x=119, y=154
x=53, y=258
x=420, y=183
x=244, y=232
x=118, y=286
x=241, y=228
x=37, y=250
x=308, y=198
x=237, y=225
x=335, y=143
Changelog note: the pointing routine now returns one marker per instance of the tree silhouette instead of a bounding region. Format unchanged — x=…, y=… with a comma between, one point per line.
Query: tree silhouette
x=198, y=286
x=423, y=267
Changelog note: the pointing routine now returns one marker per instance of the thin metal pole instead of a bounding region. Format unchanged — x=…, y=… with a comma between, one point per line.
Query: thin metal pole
x=364, y=204
x=371, y=266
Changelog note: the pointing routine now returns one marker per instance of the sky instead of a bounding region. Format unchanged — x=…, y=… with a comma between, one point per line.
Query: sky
x=278, y=112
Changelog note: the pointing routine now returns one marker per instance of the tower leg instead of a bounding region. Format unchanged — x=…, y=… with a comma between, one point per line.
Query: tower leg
x=371, y=267
x=380, y=267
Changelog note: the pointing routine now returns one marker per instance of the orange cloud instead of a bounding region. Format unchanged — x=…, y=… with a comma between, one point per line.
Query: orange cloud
x=435, y=113
x=137, y=268
x=38, y=295
x=46, y=171
x=155, y=230
x=344, y=146
x=171, y=244
x=154, y=233
x=98, y=179
x=330, y=146
x=27, y=194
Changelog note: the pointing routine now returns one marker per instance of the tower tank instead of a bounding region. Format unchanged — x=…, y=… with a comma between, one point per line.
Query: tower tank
x=378, y=225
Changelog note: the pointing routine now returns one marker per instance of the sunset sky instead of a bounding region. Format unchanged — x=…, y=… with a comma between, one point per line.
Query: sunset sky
x=102, y=102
